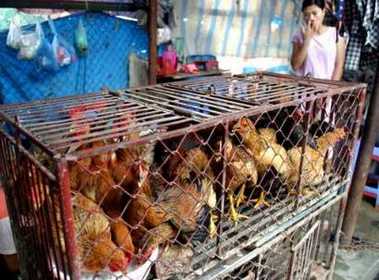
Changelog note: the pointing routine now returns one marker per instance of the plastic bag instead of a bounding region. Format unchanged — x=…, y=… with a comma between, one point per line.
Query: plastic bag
x=81, y=38
x=14, y=34
x=30, y=41
x=45, y=58
x=63, y=51
x=164, y=35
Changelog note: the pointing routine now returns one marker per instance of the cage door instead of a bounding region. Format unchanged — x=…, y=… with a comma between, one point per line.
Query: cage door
x=303, y=254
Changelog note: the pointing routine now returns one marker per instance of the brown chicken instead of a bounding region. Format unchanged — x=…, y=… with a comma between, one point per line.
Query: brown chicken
x=96, y=248
x=153, y=238
x=313, y=161
x=185, y=202
x=148, y=218
x=93, y=178
x=179, y=202
x=144, y=211
x=125, y=165
x=122, y=236
x=195, y=175
x=264, y=149
x=241, y=170
x=126, y=162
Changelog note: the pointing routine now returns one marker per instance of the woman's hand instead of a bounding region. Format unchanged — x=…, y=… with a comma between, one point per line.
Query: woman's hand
x=309, y=30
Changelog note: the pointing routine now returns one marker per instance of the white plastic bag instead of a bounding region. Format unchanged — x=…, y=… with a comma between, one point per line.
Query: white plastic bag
x=164, y=35
x=14, y=34
x=64, y=52
x=30, y=42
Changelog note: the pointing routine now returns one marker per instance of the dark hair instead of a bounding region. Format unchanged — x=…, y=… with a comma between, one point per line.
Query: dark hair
x=319, y=3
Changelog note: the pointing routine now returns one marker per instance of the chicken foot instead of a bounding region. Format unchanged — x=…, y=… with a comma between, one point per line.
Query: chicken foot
x=261, y=201
x=234, y=215
x=309, y=191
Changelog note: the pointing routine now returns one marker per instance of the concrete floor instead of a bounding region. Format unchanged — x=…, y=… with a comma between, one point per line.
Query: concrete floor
x=361, y=264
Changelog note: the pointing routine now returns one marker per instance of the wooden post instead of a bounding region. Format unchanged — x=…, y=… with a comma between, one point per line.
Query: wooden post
x=370, y=133
x=153, y=8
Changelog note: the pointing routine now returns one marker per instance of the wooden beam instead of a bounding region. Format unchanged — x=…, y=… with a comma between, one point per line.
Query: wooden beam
x=152, y=20
x=370, y=133
x=72, y=5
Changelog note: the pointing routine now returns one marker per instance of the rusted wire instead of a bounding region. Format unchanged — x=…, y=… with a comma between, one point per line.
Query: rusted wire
x=188, y=176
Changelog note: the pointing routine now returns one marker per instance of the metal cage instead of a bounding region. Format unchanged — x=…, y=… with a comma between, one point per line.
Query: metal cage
x=304, y=250
x=176, y=180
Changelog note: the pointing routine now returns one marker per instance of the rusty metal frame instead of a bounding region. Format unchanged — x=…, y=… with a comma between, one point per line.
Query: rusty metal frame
x=172, y=100
x=273, y=224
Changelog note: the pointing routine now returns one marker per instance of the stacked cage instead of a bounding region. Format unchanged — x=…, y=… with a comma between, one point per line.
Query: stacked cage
x=199, y=179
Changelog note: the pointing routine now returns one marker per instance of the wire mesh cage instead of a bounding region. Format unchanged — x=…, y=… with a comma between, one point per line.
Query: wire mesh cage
x=303, y=252
x=167, y=181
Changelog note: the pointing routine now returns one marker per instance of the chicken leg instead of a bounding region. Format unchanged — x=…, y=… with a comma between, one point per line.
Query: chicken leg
x=261, y=201
x=241, y=197
x=234, y=215
x=212, y=228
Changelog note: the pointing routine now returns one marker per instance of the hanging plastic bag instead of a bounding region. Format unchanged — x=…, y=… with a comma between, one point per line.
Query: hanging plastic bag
x=14, y=34
x=81, y=38
x=45, y=58
x=30, y=41
x=63, y=51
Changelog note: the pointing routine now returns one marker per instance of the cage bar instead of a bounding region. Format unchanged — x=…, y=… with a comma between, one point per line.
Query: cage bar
x=199, y=177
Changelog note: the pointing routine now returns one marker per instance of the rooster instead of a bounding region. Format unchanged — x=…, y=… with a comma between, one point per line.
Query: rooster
x=194, y=177
x=264, y=149
x=240, y=170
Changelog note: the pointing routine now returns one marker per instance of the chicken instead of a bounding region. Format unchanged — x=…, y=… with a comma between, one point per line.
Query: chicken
x=179, y=202
x=313, y=161
x=185, y=202
x=92, y=177
x=121, y=236
x=153, y=238
x=126, y=161
x=96, y=248
x=268, y=134
x=125, y=170
x=173, y=262
x=103, y=253
x=286, y=124
x=77, y=170
x=143, y=210
x=264, y=150
x=189, y=171
x=99, y=186
x=196, y=177
x=240, y=171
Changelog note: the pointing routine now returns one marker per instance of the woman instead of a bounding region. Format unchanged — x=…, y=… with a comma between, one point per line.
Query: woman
x=316, y=50
x=7, y=246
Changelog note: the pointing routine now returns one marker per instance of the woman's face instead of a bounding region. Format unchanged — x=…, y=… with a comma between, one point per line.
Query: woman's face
x=315, y=15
